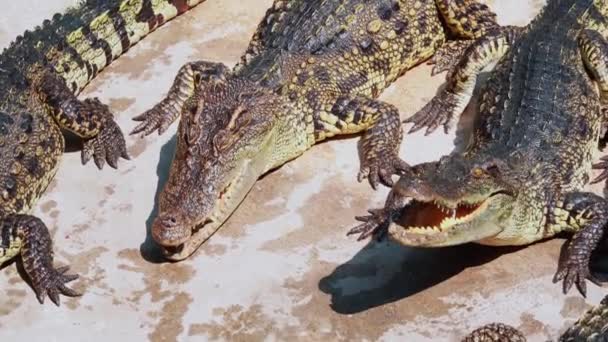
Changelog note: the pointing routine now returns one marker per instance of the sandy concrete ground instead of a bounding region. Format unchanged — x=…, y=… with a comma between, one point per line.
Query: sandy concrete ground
x=281, y=268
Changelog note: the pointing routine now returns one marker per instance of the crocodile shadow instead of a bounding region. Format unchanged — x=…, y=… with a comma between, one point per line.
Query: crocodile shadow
x=148, y=249
x=385, y=272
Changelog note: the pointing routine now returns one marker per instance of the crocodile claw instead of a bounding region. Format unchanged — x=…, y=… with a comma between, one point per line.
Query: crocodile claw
x=381, y=170
x=54, y=284
x=575, y=272
x=109, y=145
x=435, y=113
x=152, y=120
x=375, y=224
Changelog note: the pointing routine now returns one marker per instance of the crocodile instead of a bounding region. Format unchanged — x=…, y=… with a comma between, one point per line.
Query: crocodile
x=592, y=326
x=313, y=69
x=520, y=178
x=41, y=73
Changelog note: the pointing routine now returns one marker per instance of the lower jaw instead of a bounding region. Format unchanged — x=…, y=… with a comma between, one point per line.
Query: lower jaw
x=178, y=253
x=169, y=252
x=483, y=233
x=401, y=235
x=194, y=242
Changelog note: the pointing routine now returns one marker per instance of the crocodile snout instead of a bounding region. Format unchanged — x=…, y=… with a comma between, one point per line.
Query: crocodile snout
x=170, y=230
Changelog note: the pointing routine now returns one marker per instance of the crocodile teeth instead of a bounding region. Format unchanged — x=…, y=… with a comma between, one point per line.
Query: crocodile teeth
x=424, y=230
x=433, y=217
x=452, y=221
x=416, y=230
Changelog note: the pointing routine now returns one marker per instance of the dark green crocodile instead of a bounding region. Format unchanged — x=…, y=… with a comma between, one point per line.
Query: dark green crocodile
x=313, y=70
x=40, y=74
x=521, y=177
x=591, y=327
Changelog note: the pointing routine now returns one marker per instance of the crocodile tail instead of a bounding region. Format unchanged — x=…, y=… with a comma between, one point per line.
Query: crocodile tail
x=468, y=19
x=79, y=43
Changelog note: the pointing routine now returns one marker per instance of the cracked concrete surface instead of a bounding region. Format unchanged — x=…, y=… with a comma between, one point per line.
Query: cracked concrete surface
x=281, y=268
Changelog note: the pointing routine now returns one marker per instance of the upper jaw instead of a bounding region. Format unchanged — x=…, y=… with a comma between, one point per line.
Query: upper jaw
x=190, y=236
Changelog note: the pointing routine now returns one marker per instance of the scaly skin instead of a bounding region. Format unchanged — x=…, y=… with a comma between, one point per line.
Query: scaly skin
x=591, y=327
x=495, y=332
x=522, y=175
x=313, y=70
x=40, y=75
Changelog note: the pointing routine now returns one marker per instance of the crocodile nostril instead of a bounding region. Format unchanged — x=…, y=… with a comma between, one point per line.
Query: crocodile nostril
x=169, y=221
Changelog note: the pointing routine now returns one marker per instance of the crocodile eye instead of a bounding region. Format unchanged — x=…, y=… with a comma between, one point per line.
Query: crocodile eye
x=478, y=172
x=493, y=170
x=243, y=119
x=221, y=140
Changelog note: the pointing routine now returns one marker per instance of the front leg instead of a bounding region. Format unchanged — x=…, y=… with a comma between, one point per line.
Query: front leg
x=379, y=147
x=378, y=222
x=89, y=119
x=445, y=107
x=466, y=20
x=189, y=79
x=28, y=236
x=447, y=56
x=588, y=216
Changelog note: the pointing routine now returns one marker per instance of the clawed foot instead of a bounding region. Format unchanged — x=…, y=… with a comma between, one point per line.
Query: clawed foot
x=378, y=169
x=440, y=111
x=155, y=119
x=602, y=165
x=109, y=145
x=575, y=271
x=448, y=56
x=52, y=284
x=375, y=224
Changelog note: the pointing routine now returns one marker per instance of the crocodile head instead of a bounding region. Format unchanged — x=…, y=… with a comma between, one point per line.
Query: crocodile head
x=456, y=200
x=225, y=142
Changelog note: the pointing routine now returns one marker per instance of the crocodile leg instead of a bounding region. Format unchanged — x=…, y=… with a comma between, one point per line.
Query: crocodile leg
x=589, y=212
x=594, y=50
x=379, y=147
x=89, y=119
x=461, y=81
x=27, y=235
x=495, y=332
x=376, y=224
x=448, y=55
x=468, y=22
x=188, y=79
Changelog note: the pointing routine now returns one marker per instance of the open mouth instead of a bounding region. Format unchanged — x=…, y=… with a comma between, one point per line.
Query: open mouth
x=434, y=217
